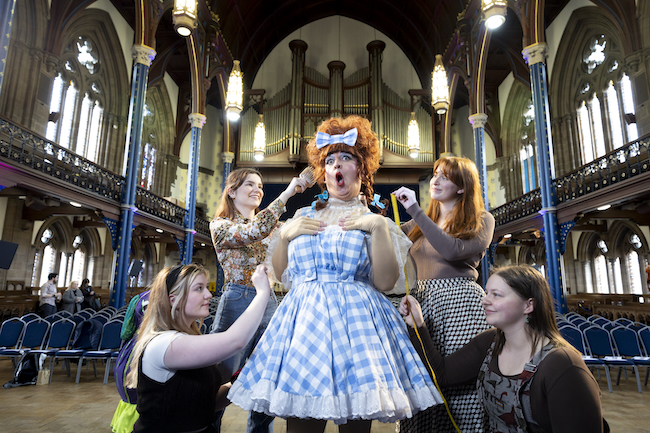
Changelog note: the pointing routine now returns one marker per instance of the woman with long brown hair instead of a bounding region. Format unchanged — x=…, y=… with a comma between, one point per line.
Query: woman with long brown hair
x=529, y=379
x=240, y=235
x=449, y=241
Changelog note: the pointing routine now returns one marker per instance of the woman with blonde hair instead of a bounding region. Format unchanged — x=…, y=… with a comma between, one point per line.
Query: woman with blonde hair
x=178, y=385
x=337, y=349
x=240, y=235
x=449, y=240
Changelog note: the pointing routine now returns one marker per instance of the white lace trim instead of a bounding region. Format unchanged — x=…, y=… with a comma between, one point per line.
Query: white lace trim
x=384, y=405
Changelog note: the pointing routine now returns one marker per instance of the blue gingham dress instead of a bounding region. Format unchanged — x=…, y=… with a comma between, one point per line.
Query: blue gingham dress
x=336, y=348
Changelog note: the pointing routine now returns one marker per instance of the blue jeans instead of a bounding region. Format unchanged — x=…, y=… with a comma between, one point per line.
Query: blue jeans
x=234, y=300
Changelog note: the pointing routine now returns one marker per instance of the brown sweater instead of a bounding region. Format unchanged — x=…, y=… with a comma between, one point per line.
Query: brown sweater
x=440, y=255
x=564, y=396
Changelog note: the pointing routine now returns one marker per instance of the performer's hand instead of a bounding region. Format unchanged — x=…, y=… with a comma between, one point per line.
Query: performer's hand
x=301, y=226
x=297, y=184
x=411, y=310
x=260, y=280
x=222, y=392
x=405, y=196
x=367, y=223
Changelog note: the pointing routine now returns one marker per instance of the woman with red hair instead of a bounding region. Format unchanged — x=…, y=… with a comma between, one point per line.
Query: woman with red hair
x=337, y=349
x=449, y=241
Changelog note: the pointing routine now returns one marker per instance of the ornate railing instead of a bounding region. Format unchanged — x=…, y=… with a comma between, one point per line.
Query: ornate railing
x=527, y=204
x=39, y=154
x=29, y=150
x=621, y=164
x=617, y=166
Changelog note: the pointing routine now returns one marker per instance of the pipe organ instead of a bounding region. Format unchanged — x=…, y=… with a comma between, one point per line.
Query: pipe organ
x=292, y=115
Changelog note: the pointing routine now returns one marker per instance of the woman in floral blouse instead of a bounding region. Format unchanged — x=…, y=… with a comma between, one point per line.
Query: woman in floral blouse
x=240, y=235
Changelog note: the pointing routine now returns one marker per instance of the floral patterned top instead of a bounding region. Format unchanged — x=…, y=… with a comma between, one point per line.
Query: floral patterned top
x=241, y=243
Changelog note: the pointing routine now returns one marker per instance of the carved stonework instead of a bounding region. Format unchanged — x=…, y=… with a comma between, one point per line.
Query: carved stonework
x=536, y=53
x=197, y=120
x=143, y=54
x=478, y=120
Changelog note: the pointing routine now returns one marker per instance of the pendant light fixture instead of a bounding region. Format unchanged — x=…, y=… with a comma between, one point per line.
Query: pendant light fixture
x=184, y=16
x=494, y=12
x=413, y=137
x=439, y=87
x=259, y=142
x=235, y=94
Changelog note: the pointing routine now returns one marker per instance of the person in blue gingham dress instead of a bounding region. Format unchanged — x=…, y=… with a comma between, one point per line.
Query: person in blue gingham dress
x=336, y=348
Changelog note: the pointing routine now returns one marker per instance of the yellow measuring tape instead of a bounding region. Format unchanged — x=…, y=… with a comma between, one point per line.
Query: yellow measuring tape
x=393, y=200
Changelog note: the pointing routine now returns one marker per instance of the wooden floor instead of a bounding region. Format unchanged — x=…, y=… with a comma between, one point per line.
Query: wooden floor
x=64, y=407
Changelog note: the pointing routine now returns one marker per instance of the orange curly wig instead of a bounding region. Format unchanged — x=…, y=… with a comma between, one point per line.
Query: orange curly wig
x=365, y=150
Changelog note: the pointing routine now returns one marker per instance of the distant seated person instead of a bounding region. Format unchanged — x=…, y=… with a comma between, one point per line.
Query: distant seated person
x=89, y=295
x=72, y=298
x=49, y=295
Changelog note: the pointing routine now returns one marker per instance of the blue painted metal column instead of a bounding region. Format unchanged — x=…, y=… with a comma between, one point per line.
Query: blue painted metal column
x=197, y=121
x=6, y=19
x=478, y=122
x=535, y=55
x=142, y=58
x=228, y=158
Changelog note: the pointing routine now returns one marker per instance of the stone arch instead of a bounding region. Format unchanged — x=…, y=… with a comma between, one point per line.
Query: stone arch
x=62, y=228
x=30, y=23
x=583, y=24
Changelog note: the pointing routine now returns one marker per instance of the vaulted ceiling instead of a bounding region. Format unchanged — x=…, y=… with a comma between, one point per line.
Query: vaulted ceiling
x=421, y=28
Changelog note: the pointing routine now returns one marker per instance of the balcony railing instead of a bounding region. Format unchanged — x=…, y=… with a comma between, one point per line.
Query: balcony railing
x=621, y=164
x=28, y=150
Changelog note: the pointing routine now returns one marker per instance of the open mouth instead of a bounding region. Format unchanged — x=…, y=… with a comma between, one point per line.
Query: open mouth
x=339, y=179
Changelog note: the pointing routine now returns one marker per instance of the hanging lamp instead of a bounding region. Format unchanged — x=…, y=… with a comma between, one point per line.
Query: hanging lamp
x=259, y=142
x=184, y=16
x=413, y=137
x=439, y=87
x=235, y=94
x=494, y=12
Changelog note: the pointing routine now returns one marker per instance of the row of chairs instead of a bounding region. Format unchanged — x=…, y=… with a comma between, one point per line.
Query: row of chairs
x=582, y=322
x=38, y=336
x=622, y=347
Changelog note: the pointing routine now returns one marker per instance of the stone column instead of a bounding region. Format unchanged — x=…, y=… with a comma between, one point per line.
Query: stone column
x=228, y=158
x=535, y=55
x=478, y=122
x=143, y=56
x=197, y=121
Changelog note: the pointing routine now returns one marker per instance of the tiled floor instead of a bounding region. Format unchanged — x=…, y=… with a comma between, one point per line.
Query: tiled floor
x=64, y=407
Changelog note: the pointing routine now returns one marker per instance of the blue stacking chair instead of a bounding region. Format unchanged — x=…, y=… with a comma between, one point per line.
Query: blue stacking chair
x=623, y=322
x=644, y=338
x=29, y=317
x=60, y=337
x=627, y=345
x=574, y=336
x=109, y=346
x=33, y=337
x=584, y=325
x=600, y=345
x=576, y=318
x=64, y=313
x=601, y=321
x=10, y=333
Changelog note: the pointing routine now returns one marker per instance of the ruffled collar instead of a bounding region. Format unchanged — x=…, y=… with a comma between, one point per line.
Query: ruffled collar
x=336, y=209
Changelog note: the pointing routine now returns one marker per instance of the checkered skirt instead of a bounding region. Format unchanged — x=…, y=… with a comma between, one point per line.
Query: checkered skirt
x=453, y=314
x=336, y=348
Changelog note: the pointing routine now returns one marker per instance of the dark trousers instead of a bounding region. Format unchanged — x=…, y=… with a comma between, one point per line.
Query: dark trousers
x=47, y=310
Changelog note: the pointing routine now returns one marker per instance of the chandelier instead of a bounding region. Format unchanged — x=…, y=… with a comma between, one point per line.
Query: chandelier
x=259, y=142
x=439, y=87
x=235, y=94
x=413, y=137
x=495, y=12
x=184, y=16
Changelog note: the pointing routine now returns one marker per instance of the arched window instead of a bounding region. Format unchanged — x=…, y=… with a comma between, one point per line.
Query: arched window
x=149, y=149
x=527, y=153
x=76, y=108
x=606, y=116
x=600, y=268
x=45, y=259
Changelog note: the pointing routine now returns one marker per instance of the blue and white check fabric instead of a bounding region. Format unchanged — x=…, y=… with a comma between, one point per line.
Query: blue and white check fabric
x=336, y=348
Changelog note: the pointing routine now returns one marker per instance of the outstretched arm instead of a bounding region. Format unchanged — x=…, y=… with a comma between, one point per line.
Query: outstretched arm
x=196, y=351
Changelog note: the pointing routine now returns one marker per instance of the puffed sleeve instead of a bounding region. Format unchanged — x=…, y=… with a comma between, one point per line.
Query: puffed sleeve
x=230, y=234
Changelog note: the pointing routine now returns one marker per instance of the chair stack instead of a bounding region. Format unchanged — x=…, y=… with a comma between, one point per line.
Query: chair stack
x=605, y=343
